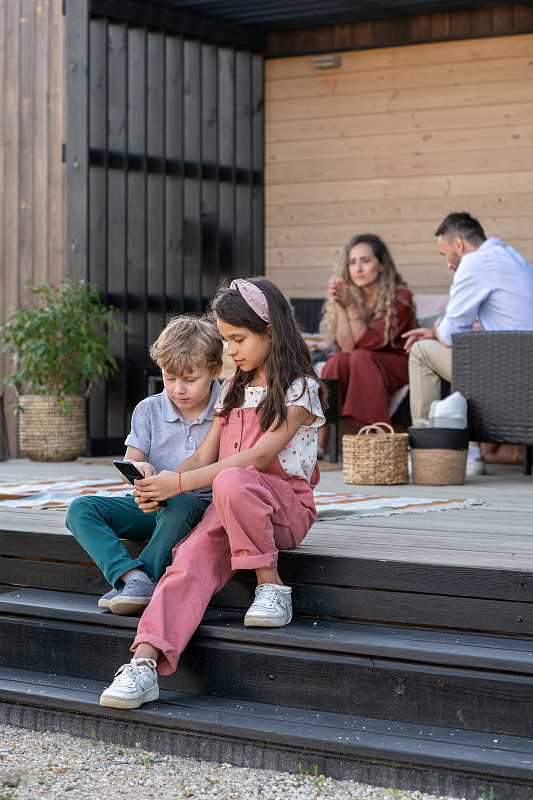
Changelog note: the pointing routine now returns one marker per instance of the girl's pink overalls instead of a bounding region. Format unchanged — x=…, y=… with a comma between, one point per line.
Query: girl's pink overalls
x=252, y=515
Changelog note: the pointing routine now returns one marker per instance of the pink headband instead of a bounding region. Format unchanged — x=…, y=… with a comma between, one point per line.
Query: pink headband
x=253, y=296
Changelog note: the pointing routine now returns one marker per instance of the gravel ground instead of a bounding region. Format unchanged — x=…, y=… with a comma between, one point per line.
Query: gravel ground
x=62, y=767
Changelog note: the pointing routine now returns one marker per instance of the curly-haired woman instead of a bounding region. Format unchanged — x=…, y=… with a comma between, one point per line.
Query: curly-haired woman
x=369, y=308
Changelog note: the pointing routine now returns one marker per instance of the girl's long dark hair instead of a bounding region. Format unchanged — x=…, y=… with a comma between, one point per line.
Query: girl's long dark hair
x=288, y=360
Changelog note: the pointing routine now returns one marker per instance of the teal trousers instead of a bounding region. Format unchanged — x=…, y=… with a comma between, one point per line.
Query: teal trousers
x=100, y=523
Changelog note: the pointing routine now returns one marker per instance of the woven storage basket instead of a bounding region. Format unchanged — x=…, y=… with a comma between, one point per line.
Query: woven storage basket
x=47, y=433
x=438, y=455
x=375, y=456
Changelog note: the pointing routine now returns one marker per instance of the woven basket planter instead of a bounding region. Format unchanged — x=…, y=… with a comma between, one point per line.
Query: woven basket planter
x=47, y=432
x=375, y=456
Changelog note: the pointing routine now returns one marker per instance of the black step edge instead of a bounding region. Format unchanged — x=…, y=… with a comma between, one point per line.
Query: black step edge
x=420, y=645
x=344, y=747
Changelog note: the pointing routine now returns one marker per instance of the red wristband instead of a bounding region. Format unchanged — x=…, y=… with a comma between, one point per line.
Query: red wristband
x=179, y=482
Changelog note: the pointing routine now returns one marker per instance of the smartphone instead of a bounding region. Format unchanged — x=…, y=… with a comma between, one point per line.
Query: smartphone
x=131, y=472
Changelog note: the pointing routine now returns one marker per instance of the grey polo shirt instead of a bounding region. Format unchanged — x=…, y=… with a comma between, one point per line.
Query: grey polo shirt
x=167, y=438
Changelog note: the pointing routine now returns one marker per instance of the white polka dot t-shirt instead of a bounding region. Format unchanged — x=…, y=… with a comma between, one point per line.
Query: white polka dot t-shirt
x=299, y=457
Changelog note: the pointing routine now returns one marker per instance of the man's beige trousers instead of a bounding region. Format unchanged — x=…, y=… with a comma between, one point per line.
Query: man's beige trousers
x=429, y=361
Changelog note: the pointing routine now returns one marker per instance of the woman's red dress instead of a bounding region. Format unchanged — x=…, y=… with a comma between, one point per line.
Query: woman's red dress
x=372, y=371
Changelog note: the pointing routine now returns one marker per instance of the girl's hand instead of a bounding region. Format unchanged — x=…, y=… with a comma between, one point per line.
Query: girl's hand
x=156, y=487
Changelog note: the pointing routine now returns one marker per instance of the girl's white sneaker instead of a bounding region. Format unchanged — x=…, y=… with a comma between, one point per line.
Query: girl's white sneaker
x=272, y=607
x=135, y=683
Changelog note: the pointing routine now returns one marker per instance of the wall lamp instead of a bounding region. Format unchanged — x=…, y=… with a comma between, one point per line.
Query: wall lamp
x=326, y=62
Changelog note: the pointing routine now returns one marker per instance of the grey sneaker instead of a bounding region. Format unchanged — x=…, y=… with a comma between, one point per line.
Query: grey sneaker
x=135, y=683
x=134, y=597
x=105, y=600
x=272, y=607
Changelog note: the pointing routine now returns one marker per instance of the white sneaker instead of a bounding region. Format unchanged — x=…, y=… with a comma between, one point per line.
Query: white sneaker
x=272, y=607
x=476, y=466
x=135, y=683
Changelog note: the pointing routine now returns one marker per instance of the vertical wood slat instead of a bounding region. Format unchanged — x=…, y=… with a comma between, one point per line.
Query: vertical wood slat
x=40, y=13
x=77, y=33
x=97, y=235
x=32, y=128
x=57, y=138
x=155, y=194
x=10, y=211
x=226, y=149
x=192, y=153
x=258, y=154
x=174, y=122
x=26, y=153
x=209, y=185
x=116, y=395
x=135, y=289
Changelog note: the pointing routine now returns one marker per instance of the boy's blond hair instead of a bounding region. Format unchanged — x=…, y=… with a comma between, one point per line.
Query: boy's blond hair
x=187, y=343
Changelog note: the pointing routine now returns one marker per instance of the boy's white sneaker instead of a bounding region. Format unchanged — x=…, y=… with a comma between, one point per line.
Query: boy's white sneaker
x=272, y=607
x=135, y=683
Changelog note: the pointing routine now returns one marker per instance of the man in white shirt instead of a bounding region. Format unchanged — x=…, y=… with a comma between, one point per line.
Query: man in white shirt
x=492, y=282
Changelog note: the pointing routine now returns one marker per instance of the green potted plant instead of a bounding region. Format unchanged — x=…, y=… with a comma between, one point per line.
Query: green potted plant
x=59, y=347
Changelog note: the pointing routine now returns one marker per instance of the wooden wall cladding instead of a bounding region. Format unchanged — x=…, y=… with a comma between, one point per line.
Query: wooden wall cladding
x=473, y=23
x=32, y=126
x=391, y=142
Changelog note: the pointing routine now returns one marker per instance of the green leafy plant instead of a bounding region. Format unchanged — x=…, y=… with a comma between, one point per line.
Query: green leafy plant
x=59, y=342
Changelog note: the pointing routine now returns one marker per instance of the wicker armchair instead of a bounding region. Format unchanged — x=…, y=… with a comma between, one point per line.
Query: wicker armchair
x=494, y=371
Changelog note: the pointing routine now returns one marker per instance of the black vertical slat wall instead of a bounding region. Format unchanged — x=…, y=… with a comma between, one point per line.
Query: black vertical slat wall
x=174, y=185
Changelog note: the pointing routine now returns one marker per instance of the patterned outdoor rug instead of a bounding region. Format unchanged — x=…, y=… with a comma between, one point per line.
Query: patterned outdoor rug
x=58, y=494
x=338, y=506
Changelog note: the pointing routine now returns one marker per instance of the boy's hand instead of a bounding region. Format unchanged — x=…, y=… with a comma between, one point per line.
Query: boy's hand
x=147, y=469
x=148, y=506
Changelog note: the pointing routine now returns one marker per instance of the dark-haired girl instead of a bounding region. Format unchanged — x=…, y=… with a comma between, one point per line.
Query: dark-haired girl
x=260, y=455
x=368, y=310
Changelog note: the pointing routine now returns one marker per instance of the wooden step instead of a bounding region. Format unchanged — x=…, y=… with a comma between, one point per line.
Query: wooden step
x=247, y=733
x=429, y=646
x=38, y=551
x=473, y=681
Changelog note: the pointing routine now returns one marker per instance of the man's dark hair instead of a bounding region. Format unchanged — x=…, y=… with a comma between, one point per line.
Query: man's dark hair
x=463, y=225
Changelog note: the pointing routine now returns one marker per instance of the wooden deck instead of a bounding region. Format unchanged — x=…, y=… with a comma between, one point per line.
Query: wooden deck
x=496, y=534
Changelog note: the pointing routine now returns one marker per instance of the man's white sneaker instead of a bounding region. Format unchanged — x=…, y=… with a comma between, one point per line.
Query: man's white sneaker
x=135, y=683
x=476, y=466
x=272, y=607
